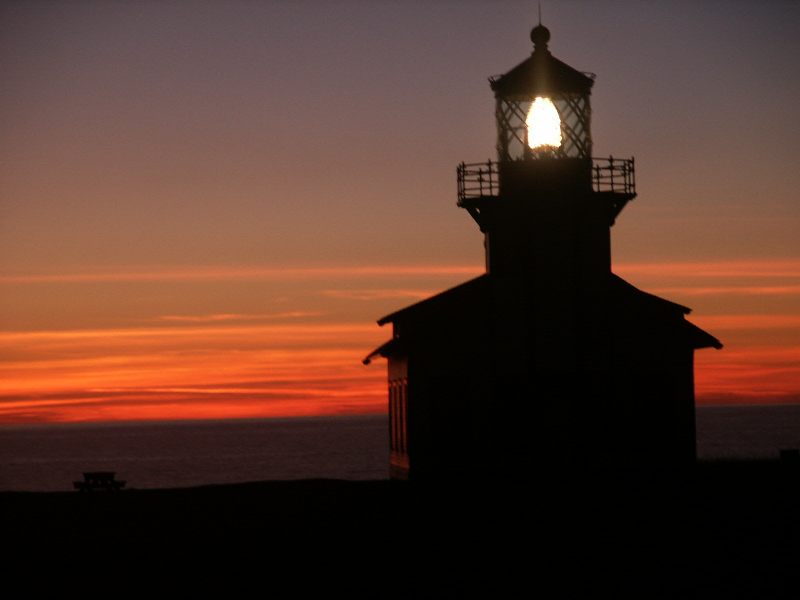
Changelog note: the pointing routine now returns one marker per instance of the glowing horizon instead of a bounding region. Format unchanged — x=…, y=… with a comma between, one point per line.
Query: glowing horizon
x=279, y=362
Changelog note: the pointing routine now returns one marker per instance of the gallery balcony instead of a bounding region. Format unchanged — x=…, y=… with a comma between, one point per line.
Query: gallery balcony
x=608, y=175
x=611, y=180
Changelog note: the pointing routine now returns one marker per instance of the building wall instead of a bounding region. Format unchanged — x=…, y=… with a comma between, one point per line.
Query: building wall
x=550, y=420
x=398, y=418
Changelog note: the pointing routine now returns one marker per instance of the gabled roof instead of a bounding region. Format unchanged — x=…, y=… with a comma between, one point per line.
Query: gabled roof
x=627, y=298
x=622, y=289
x=625, y=301
x=461, y=294
x=542, y=73
x=393, y=346
x=465, y=294
x=700, y=338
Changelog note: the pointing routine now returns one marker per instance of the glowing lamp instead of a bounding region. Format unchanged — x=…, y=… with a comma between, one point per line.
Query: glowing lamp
x=544, y=125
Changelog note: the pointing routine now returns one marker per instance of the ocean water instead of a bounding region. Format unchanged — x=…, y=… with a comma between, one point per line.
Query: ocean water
x=747, y=431
x=179, y=454
x=189, y=453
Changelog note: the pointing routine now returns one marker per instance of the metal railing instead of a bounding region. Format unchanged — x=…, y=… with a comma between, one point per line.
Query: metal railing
x=478, y=180
x=614, y=175
x=482, y=180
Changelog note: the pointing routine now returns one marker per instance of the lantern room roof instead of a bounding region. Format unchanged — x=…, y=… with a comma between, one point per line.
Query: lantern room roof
x=542, y=73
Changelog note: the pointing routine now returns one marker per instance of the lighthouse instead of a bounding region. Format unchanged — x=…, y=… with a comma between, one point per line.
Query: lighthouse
x=548, y=360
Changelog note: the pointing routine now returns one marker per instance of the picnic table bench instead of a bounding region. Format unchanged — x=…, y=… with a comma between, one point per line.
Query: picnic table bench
x=99, y=481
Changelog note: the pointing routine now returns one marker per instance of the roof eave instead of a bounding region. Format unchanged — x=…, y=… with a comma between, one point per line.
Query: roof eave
x=384, y=350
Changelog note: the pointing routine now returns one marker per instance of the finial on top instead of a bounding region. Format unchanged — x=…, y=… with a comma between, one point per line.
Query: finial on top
x=540, y=35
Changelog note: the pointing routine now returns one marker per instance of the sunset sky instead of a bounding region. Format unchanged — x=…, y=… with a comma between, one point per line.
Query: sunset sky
x=205, y=206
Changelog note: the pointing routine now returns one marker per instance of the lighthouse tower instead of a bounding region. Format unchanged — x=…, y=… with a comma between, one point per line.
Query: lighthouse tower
x=548, y=359
x=547, y=207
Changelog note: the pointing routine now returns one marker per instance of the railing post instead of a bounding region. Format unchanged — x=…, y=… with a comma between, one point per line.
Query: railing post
x=611, y=170
x=627, y=177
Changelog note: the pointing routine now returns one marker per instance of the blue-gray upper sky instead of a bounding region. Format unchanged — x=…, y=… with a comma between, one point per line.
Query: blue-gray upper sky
x=306, y=132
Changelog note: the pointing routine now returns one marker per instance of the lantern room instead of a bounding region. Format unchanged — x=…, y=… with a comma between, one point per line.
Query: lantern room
x=542, y=107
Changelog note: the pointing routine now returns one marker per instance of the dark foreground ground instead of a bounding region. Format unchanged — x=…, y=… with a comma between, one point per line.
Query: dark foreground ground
x=726, y=530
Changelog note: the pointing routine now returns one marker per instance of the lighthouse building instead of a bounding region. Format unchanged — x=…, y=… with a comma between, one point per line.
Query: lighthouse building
x=549, y=359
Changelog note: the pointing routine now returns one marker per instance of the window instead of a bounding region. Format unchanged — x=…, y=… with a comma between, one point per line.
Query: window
x=398, y=415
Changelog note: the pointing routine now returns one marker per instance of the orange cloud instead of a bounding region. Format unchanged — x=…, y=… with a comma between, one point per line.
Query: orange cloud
x=760, y=322
x=755, y=373
x=742, y=290
x=197, y=371
x=297, y=314
x=783, y=268
x=240, y=273
x=775, y=268
x=380, y=294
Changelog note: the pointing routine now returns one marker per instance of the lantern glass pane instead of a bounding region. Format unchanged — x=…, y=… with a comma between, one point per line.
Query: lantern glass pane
x=513, y=141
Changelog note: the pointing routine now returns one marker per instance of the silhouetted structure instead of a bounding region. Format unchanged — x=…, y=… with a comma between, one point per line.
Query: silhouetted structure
x=102, y=481
x=548, y=359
